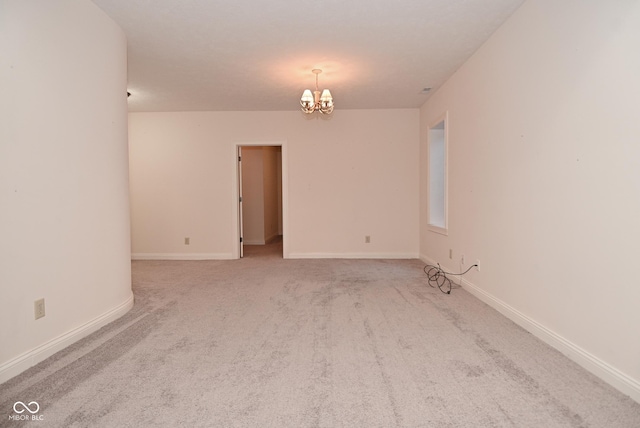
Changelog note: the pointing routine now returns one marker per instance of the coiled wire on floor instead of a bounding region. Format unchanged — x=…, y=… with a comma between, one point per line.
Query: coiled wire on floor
x=438, y=277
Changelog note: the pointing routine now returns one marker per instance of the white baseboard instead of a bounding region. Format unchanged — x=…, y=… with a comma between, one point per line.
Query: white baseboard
x=181, y=256
x=265, y=241
x=353, y=256
x=29, y=359
x=253, y=241
x=588, y=361
x=272, y=238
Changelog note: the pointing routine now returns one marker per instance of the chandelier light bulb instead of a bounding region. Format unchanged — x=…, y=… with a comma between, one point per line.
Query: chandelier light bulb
x=307, y=97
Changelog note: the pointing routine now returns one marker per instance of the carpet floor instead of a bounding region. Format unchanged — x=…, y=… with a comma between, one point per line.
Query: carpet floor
x=269, y=342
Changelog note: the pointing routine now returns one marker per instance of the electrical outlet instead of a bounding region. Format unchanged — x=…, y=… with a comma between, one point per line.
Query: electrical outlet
x=187, y=241
x=38, y=308
x=478, y=265
x=451, y=253
x=367, y=239
x=462, y=258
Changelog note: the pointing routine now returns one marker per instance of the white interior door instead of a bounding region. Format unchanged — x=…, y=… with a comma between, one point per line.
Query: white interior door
x=240, y=201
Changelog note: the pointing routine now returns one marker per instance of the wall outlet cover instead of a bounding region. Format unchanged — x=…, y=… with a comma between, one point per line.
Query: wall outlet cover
x=38, y=308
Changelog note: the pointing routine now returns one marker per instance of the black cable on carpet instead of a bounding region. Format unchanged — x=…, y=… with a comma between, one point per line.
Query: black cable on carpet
x=438, y=277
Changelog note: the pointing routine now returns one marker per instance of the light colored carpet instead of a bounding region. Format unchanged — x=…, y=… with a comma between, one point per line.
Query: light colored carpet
x=267, y=342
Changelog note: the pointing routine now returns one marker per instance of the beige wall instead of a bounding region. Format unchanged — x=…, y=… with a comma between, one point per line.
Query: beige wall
x=253, y=195
x=544, y=178
x=271, y=190
x=353, y=175
x=64, y=219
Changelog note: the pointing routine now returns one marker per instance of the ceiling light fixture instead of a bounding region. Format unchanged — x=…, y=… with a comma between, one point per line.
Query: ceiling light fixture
x=316, y=101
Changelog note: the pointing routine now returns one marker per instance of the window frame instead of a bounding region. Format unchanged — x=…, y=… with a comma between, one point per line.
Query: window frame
x=440, y=227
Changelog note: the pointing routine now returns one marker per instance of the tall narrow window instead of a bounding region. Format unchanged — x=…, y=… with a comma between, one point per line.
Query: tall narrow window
x=437, y=140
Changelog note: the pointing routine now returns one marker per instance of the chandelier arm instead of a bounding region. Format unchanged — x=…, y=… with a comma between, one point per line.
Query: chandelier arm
x=307, y=107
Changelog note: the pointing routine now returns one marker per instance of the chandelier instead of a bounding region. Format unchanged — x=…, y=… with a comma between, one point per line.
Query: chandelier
x=316, y=101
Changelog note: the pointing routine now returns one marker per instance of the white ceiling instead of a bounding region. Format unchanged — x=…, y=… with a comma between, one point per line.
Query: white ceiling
x=258, y=55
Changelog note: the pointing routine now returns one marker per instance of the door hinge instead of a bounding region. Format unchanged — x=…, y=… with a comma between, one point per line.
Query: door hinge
x=239, y=158
x=240, y=198
x=241, y=239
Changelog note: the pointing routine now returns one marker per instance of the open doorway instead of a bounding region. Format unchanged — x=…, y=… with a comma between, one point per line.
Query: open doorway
x=260, y=197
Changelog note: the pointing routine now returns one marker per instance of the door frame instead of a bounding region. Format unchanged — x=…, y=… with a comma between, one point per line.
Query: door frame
x=237, y=190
